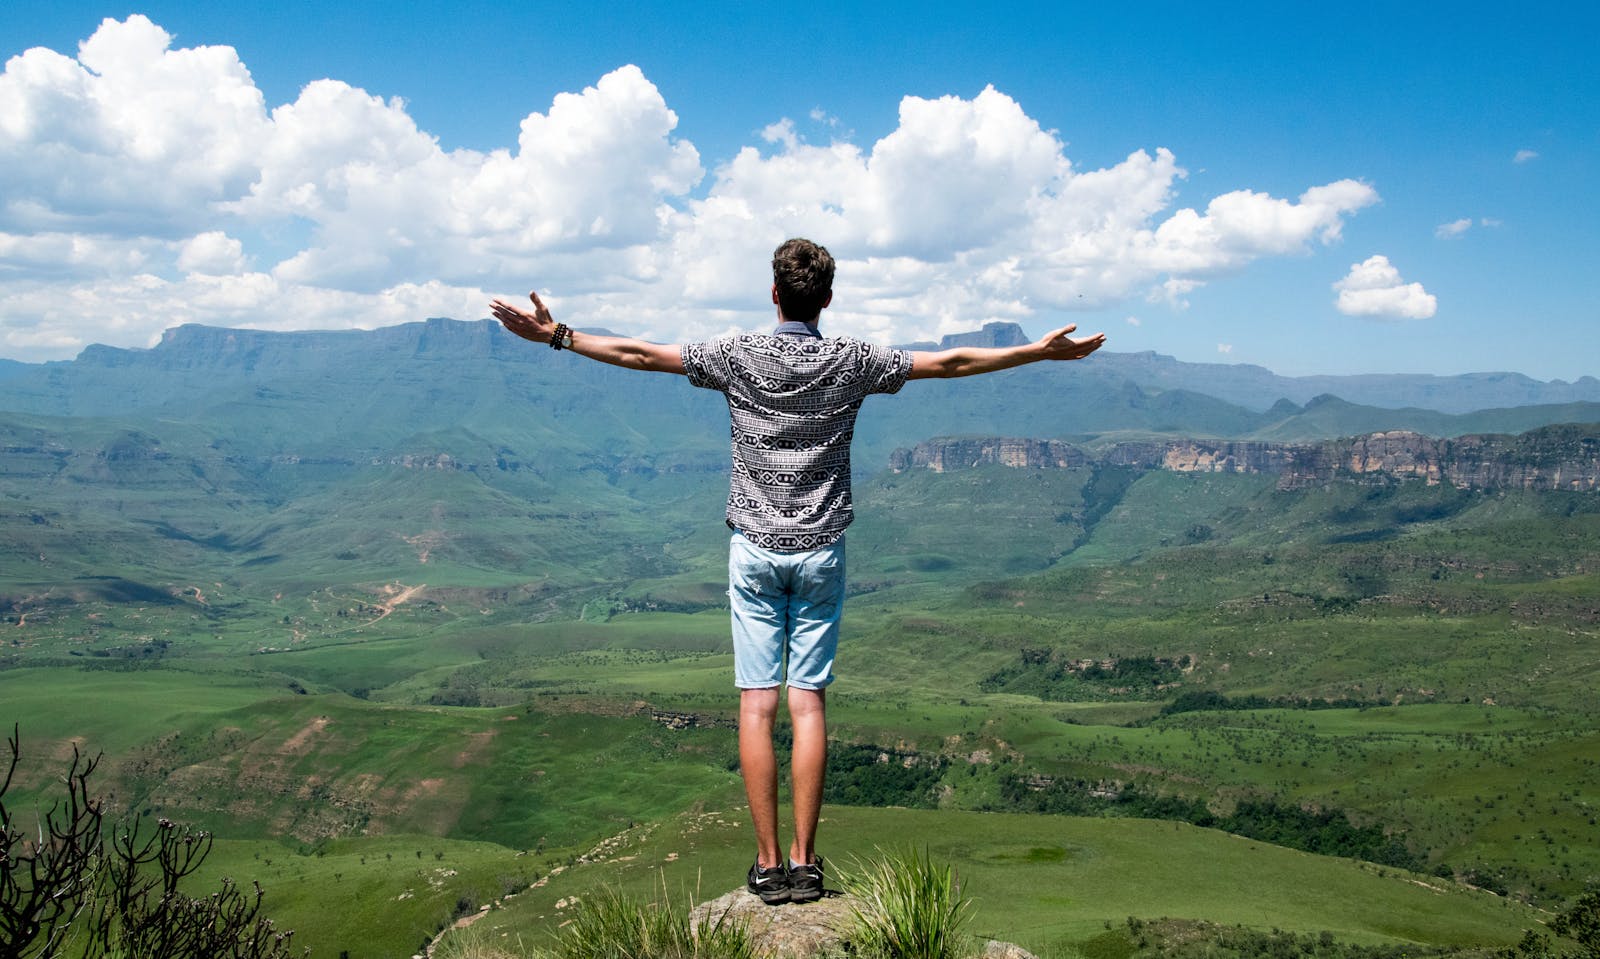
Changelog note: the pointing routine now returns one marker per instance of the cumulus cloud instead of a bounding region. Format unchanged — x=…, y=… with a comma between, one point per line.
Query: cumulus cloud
x=131, y=137
x=1373, y=287
x=213, y=252
x=133, y=310
x=157, y=179
x=388, y=203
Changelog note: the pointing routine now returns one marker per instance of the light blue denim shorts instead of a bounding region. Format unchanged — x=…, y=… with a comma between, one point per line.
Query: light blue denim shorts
x=786, y=609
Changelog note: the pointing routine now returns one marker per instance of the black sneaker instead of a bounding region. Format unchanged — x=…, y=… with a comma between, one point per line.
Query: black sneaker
x=805, y=881
x=772, y=885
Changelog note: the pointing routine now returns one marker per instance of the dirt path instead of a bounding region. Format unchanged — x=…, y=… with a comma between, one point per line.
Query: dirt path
x=395, y=595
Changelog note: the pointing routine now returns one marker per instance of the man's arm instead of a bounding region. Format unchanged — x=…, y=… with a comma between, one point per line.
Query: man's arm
x=539, y=326
x=972, y=360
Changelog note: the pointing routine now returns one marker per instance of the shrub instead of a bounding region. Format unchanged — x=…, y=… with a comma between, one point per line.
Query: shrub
x=72, y=886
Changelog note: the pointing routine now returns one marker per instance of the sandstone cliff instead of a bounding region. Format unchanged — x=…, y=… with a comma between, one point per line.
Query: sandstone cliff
x=1562, y=457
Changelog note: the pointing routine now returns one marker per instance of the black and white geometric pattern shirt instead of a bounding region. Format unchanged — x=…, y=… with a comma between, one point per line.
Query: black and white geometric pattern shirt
x=793, y=398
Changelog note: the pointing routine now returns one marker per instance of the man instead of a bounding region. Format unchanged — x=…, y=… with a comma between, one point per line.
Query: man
x=792, y=396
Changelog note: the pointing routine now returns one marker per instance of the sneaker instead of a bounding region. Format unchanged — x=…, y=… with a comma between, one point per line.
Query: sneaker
x=805, y=881
x=772, y=885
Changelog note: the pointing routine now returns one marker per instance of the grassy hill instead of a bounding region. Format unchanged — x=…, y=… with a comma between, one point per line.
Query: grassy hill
x=1054, y=884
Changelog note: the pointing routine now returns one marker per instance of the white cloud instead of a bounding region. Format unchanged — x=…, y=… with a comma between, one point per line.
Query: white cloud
x=65, y=257
x=1133, y=321
x=134, y=310
x=1523, y=156
x=158, y=179
x=1458, y=228
x=781, y=132
x=388, y=204
x=129, y=138
x=1224, y=348
x=1174, y=292
x=213, y=252
x=1374, y=288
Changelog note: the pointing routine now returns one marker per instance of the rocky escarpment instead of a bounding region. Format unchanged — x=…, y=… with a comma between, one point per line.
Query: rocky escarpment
x=943, y=455
x=1562, y=457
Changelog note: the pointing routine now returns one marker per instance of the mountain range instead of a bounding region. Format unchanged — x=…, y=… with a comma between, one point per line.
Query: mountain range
x=310, y=393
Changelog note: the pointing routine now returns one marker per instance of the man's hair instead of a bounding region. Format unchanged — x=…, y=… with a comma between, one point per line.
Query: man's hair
x=803, y=273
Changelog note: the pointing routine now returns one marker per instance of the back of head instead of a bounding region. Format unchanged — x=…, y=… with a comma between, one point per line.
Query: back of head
x=802, y=272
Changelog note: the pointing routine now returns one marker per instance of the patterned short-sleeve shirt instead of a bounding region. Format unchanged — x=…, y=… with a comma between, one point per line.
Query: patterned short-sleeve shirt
x=793, y=401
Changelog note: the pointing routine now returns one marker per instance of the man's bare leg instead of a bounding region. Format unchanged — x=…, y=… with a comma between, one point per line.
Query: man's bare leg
x=810, y=760
x=758, y=708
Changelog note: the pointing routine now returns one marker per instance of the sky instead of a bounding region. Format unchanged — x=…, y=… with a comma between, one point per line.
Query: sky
x=1314, y=189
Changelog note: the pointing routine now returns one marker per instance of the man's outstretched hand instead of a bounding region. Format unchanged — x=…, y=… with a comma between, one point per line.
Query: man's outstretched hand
x=1060, y=346
x=538, y=326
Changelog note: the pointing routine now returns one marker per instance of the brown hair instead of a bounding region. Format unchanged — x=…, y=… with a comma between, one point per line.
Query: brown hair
x=802, y=271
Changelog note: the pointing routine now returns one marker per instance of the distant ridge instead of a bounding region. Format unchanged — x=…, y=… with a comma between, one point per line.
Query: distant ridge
x=195, y=368
x=1257, y=388
x=992, y=334
x=10, y=368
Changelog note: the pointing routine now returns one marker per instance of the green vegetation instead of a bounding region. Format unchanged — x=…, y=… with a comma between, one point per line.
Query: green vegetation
x=612, y=926
x=73, y=884
x=906, y=907
x=432, y=654
x=1051, y=882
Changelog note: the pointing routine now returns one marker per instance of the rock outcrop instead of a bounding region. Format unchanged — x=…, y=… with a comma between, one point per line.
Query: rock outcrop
x=805, y=930
x=1561, y=457
x=792, y=931
x=954, y=454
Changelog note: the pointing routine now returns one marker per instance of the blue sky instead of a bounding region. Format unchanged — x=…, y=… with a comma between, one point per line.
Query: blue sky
x=1344, y=189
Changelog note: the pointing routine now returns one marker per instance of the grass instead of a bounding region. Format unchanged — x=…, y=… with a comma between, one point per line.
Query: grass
x=613, y=926
x=377, y=897
x=253, y=761
x=1048, y=882
x=507, y=704
x=906, y=907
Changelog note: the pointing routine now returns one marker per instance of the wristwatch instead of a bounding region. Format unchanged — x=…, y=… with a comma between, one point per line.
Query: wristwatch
x=561, y=339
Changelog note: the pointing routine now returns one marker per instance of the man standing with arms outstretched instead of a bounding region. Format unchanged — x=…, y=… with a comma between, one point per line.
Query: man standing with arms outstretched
x=793, y=395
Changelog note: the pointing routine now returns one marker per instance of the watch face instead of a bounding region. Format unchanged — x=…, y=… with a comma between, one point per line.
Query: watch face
x=566, y=342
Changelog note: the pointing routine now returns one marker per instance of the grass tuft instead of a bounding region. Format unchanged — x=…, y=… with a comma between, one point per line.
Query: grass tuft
x=472, y=944
x=906, y=907
x=613, y=926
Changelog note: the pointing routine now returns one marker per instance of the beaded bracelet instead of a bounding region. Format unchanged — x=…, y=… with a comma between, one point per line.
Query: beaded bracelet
x=562, y=331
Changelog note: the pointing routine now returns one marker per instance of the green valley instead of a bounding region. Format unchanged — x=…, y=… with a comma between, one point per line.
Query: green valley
x=418, y=622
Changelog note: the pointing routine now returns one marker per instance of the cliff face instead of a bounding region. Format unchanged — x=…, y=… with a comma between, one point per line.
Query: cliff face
x=955, y=454
x=1563, y=457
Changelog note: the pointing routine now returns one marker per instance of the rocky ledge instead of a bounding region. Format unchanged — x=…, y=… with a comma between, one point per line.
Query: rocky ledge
x=1562, y=457
x=807, y=930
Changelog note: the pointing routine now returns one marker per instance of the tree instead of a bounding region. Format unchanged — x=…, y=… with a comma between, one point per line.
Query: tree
x=1581, y=923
